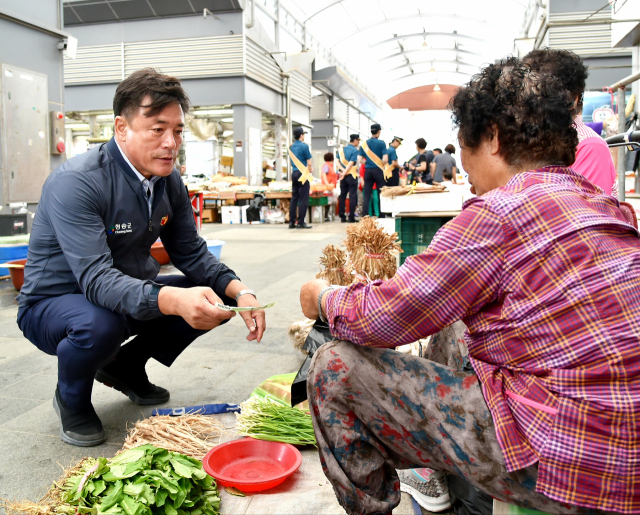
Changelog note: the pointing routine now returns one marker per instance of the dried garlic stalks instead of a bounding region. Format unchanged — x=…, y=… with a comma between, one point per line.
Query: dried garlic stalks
x=371, y=251
x=334, y=261
x=398, y=191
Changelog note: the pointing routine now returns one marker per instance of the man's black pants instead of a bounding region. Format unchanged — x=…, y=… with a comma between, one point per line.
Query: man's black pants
x=299, y=199
x=86, y=337
x=348, y=185
x=372, y=176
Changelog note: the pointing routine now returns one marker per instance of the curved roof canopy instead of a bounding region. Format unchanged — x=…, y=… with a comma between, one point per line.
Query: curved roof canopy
x=397, y=45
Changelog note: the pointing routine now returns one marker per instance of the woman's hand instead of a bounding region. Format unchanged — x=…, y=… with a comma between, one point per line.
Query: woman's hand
x=309, y=297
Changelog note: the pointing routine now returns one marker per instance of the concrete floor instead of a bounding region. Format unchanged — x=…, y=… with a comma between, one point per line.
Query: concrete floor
x=219, y=367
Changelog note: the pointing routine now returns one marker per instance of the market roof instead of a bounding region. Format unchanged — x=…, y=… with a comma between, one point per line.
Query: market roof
x=396, y=45
x=81, y=12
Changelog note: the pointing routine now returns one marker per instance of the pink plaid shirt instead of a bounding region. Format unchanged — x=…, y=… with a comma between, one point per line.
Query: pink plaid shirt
x=545, y=272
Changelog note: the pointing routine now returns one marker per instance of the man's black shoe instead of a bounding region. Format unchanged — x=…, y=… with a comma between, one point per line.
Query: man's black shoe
x=304, y=226
x=343, y=219
x=133, y=383
x=292, y=226
x=78, y=427
x=352, y=220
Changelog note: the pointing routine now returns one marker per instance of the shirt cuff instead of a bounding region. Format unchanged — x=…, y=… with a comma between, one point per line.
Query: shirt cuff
x=222, y=281
x=331, y=307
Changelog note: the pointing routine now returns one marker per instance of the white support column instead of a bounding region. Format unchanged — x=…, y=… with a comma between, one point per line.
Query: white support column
x=247, y=131
x=278, y=140
x=621, y=164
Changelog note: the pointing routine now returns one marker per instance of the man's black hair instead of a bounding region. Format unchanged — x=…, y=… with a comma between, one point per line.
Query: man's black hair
x=159, y=90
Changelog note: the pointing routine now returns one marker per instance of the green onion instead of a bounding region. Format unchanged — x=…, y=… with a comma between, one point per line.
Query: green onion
x=267, y=420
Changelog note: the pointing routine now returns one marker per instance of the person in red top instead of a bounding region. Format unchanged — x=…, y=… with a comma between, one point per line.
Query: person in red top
x=593, y=158
x=329, y=176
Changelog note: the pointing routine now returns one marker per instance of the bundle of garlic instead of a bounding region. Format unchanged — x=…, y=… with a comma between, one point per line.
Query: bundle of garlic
x=372, y=251
x=298, y=332
x=334, y=261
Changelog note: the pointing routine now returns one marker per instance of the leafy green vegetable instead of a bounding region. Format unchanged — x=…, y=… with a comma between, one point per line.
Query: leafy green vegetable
x=145, y=480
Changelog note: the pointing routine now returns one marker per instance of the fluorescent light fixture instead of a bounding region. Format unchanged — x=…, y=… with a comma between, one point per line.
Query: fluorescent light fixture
x=227, y=120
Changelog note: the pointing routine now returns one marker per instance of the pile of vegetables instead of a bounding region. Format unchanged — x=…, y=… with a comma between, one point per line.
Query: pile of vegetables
x=144, y=480
x=264, y=419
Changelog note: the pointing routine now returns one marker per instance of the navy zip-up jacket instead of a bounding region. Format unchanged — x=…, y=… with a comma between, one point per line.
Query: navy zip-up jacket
x=92, y=234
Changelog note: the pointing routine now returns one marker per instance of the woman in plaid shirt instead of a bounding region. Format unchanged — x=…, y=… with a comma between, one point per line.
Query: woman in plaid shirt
x=544, y=271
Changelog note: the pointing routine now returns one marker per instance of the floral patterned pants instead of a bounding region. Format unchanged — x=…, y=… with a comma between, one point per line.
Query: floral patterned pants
x=376, y=410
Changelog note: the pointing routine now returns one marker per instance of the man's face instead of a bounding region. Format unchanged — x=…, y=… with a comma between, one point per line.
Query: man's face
x=151, y=143
x=302, y=137
x=436, y=152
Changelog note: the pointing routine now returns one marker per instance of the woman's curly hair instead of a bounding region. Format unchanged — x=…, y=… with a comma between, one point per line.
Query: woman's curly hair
x=565, y=65
x=530, y=113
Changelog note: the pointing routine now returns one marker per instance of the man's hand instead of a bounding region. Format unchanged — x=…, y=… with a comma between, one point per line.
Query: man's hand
x=255, y=320
x=309, y=297
x=196, y=305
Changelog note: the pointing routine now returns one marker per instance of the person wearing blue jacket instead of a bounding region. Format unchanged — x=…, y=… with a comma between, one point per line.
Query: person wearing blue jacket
x=349, y=183
x=299, y=192
x=90, y=281
x=372, y=172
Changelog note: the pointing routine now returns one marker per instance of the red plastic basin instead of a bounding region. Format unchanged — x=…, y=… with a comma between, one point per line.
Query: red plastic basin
x=17, y=274
x=252, y=465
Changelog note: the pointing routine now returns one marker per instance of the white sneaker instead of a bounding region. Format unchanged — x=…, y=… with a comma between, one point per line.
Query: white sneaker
x=428, y=487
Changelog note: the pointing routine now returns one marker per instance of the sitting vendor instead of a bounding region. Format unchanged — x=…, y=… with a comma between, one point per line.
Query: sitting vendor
x=544, y=271
x=90, y=281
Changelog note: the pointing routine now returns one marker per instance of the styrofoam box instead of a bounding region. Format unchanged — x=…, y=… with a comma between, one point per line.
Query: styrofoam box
x=231, y=214
x=447, y=201
x=387, y=224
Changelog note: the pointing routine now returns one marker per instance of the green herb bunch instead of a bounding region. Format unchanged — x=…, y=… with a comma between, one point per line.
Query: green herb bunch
x=264, y=419
x=145, y=480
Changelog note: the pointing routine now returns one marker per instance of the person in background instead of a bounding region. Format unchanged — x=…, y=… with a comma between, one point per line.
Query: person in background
x=349, y=183
x=443, y=167
x=266, y=169
x=330, y=178
x=300, y=196
x=183, y=170
x=422, y=172
x=372, y=172
x=436, y=151
x=593, y=158
x=392, y=157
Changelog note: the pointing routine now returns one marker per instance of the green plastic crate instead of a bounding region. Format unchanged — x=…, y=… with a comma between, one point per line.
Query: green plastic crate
x=318, y=201
x=416, y=233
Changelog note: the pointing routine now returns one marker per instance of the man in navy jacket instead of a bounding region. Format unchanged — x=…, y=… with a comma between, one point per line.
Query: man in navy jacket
x=90, y=281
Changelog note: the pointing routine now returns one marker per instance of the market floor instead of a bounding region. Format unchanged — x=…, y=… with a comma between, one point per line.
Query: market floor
x=219, y=367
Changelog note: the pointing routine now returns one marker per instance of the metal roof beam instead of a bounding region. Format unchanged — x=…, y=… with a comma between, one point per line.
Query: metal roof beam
x=453, y=35
x=411, y=17
x=415, y=63
x=423, y=50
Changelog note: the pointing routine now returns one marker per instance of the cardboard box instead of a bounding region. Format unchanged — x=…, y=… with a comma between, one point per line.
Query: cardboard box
x=209, y=216
x=231, y=215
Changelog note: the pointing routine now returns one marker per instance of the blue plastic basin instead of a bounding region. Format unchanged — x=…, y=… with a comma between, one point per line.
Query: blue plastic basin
x=215, y=247
x=10, y=253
